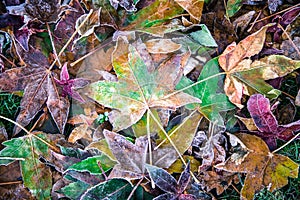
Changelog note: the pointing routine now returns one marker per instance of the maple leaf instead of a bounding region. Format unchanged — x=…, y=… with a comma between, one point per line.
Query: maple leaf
x=39, y=87
x=263, y=168
x=269, y=129
x=246, y=77
x=27, y=150
x=132, y=157
x=168, y=183
x=69, y=85
x=138, y=88
x=213, y=102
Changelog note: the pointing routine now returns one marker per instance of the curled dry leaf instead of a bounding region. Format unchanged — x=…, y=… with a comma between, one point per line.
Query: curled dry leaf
x=244, y=77
x=217, y=179
x=263, y=168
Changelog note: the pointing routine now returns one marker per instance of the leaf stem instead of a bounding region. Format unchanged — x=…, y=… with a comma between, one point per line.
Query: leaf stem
x=287, y=143
x=178, y=127
x=30, y=134
x=52, y=44
x=172, y=143
x=196, y=83
x=71, y=38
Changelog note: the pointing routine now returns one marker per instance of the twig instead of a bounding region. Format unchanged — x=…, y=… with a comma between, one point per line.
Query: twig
x=288, y=142
x=12, y=182
x=71, y=38
x=52, y=44
x=282, y=11
x=289, y=38
x=134, y=189
x=30, y=134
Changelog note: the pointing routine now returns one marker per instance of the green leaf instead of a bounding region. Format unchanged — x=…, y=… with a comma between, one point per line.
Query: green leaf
x=140, y=88
x=75, y=190
x=91, y=165
x=113, y=189
x=204, y=37
x=213, y=99
x=233, y=6
x=36, y=175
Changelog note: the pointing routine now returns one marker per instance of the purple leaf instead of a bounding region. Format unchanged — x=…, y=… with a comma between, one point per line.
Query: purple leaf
x=162, y=179
x=69, y=85
x=284, y=20
x=184, y=179
x=168, y=183
x=259, y=108
x=269, y=130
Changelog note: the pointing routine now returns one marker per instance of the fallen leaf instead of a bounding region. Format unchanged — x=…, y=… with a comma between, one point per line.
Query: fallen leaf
x=219, y=180
x=69, y=85
x=156, y=18
x=137, y=88
x=193, y=7
x=93, y=164
x=233, y=6
x=132, y=160
x=39, y=88
x=269, y=129
x=244, y=77
x=168, y=183
x=80, y=132
x=129, y=5
x=164, y=46
x=211, y=147
x=90, y=24
x=113, y=189
x=274, y=4
x=28, y=149
x=248, y=122
x=263, y=168
x=213, y=101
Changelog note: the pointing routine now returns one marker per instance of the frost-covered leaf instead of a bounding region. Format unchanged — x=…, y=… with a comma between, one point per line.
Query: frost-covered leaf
x=93, y=164
x=263, y=168
x=112, y=189
x=269, y=129
x=39, y=88
x=168, y=183
x=245, y=77
x=219, y=180
x=233, y=6
x=156, y=18
x=37, y=177
x=138, y=88
x=213, y=102
x=129, y=5
x=193, y=7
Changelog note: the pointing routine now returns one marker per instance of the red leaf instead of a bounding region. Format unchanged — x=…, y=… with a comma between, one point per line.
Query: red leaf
x=269, y=130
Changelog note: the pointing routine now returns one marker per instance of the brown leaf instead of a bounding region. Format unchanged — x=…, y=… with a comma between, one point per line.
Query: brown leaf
x=216, y=180
x=58, y=106
x=263, y=168
x=193, y=7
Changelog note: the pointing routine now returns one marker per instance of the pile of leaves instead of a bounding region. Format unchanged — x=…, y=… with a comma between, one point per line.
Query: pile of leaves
x=148, y=99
